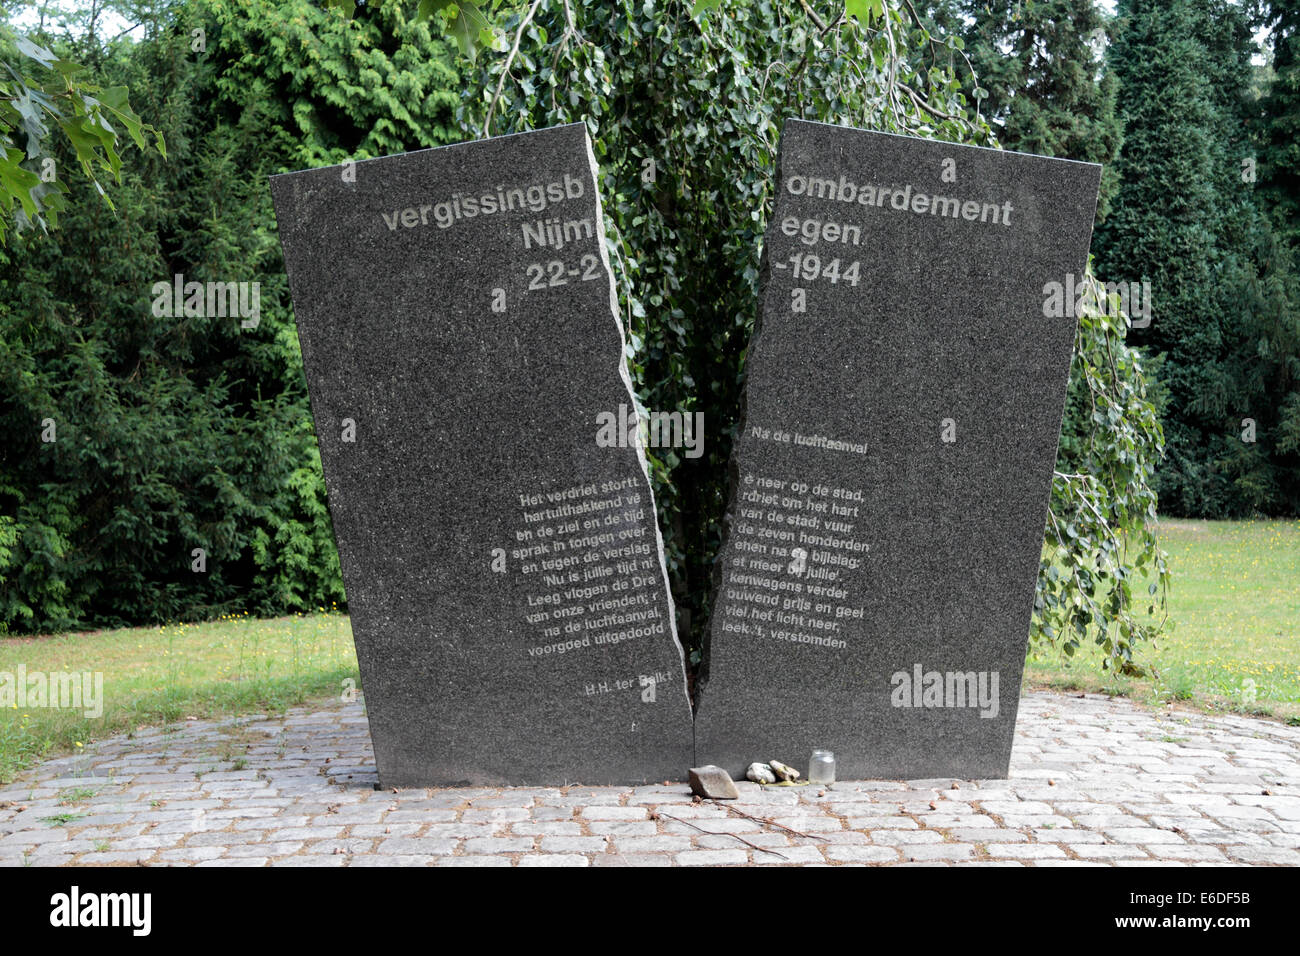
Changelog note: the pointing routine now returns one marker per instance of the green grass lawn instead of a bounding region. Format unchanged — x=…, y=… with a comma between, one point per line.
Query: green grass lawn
x=1235, y=610
x=156, y=675
x=1235, y=603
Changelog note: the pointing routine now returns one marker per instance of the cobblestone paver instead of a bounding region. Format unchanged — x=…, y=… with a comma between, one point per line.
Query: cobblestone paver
x=1093, y=782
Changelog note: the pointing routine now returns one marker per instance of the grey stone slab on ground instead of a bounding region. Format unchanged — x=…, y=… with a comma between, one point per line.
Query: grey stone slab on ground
x=503, y=567
x=712, y=783
x=891, y=480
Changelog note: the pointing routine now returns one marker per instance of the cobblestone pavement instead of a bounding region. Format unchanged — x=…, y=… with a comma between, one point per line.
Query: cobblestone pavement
x=1093, y=782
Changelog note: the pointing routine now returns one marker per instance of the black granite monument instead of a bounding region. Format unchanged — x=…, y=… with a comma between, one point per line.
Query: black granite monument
x=503, y=566
x=891, y=478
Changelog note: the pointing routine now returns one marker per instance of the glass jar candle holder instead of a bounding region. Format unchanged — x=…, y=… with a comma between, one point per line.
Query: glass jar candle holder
x=821, y=767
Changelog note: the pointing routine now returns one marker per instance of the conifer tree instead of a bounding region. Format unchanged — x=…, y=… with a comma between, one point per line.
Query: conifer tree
x=1047, y=91
x=1279, y=139
x=1163, y=226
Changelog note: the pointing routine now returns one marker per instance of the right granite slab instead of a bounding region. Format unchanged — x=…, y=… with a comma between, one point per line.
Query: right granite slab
x=891, y=478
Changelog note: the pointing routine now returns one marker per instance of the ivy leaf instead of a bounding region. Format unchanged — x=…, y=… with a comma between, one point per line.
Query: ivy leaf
x=115, y=101
x=86, y=136
x=864, y=10
x=16, y=181
x=466, y=26
x=430, y=8
x=463, y=20
x=30, y=117
x=36, y=52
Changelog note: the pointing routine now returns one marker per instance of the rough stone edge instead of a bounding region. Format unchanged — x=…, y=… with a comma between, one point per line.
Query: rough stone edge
x=733, y=460
x=626, y=378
